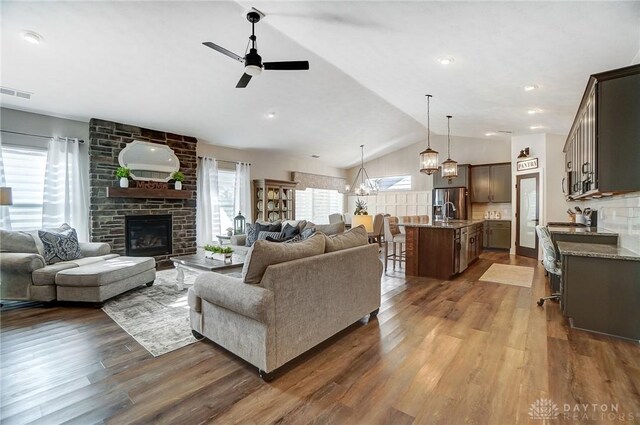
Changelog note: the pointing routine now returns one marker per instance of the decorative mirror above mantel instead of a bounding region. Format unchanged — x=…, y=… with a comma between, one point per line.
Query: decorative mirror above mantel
x=149, y=161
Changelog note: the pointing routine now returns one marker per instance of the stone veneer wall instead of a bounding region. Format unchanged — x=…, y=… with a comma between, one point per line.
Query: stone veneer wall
x=106, y=140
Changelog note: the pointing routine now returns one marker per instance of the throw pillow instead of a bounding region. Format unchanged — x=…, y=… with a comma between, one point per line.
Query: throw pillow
x=263, y=254
x=328, y=229
x=306, y=234
x=357, y=236
x=290, y=231
x=62, y=246
x=274, y=235
x=253, y=230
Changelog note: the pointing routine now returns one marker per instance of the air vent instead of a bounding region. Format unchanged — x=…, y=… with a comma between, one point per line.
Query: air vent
x=13, y=92
x=315, y=156
x=505, y=131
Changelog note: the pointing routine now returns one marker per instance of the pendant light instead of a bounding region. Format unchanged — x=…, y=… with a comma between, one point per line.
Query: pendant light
x=428, y=157
x=362, y=185
x=449, y=167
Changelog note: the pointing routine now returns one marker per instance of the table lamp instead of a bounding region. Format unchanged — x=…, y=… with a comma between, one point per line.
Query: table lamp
x=365, y=220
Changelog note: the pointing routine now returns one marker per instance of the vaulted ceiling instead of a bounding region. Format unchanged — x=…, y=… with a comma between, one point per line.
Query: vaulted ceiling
x=371, y=63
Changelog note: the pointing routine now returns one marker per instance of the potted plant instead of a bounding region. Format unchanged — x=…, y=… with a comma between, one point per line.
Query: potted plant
x=226, y=252
x=361, y=208
x=178, y=176
x=123, y=174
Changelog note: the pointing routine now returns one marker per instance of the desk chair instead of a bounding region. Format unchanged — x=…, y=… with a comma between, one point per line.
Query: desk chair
x=549, y=260
x=393, y=236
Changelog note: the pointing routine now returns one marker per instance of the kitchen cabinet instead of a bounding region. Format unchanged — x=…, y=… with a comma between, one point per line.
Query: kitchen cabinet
x=439, y=250
x=461, y=181
x=497, y=234
x=274, y=199
x=474, y=248
x=491, y=183
x=602, y=149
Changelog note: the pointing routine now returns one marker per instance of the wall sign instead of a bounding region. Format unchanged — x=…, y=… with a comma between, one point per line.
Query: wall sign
x=527, y=164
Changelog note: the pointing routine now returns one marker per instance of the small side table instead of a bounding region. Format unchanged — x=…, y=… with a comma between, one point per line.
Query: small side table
x=223, y=238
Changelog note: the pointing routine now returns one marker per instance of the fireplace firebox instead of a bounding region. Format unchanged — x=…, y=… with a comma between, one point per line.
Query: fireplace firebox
x=148, y=235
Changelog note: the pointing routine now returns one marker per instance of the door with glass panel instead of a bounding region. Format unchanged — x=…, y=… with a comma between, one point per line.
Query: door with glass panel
x=527, y=214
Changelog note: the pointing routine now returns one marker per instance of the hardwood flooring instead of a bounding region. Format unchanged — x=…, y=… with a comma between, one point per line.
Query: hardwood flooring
x=440, y=352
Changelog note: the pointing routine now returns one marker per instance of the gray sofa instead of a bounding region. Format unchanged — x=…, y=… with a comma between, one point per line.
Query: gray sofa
x=95, y=277
x=290, y=298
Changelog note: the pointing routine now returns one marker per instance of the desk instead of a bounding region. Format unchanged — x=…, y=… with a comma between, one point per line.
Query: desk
x=601, y=288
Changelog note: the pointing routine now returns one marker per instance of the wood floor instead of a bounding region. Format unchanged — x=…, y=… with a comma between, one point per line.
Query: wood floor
x=454, y=352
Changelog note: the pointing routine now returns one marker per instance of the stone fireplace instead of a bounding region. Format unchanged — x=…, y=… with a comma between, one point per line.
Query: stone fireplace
x=116, y=220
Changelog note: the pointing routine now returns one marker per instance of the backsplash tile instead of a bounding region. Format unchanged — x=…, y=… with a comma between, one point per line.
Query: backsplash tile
x=478, y=210
x=620, y=214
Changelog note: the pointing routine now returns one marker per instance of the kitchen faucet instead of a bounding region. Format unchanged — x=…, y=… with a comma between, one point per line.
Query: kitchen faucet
x=446, y=217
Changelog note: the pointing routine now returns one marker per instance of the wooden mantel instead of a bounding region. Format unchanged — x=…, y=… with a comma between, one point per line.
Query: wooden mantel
x=136, y=192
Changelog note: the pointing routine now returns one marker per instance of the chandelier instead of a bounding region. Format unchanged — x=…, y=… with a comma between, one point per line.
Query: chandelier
x=449, y=167
x=362, y=185
x=428, y=157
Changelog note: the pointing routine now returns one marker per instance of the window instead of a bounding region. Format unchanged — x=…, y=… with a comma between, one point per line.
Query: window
x=316, y=204
x=24, y=169
x=393, y=184
x=226, y=198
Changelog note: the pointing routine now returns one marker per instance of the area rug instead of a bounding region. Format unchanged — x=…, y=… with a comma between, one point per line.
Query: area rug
x=157, y=316
x=509, y=275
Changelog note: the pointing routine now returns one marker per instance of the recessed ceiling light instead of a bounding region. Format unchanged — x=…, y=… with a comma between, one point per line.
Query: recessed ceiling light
x=533, y=111
x=446, y=60
x=271, y=114
x=536, y=127
x=31, y=37
x=531, y=87
x=491, y=133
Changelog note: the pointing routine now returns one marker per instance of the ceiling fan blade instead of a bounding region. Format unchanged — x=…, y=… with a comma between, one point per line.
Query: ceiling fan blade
x=287, y=66
x=244, y=80
x=223, y=51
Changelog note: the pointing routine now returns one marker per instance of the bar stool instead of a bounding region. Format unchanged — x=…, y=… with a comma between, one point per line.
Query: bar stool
x=392, y=235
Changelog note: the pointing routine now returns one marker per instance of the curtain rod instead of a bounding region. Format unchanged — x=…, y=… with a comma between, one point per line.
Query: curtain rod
x=224, y=160
x=34, y=135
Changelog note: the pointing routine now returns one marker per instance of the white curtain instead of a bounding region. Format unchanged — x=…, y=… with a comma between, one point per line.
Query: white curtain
x=5, y=218
x=243, y=190
x=207, y=205
x=65, y=187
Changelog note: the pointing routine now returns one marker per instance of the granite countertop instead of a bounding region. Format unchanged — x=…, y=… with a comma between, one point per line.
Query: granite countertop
x=592, y=231
x=498, y=219
x=453, y=224
x=596, y=250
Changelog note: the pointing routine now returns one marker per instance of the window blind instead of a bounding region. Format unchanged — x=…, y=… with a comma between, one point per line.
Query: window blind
x=316, y=204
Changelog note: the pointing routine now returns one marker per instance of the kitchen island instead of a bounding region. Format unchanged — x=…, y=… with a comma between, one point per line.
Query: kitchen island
x=442, y=249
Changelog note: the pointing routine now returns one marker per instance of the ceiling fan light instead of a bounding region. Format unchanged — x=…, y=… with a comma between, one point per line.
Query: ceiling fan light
x=253, y=70
x=429, y=161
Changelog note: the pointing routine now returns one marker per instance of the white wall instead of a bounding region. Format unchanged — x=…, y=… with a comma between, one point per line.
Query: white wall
x=269, y=165
x=43, y=125
x=405, y=161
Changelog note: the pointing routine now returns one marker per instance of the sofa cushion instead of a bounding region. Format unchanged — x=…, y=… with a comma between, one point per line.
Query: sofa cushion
x=300, y=224
x=105, y=272
x=14, y=241
x=253, y=230
x=47, y=274
x=265, y=253
x=327, y=229
x=354, y=237
x=62, y=246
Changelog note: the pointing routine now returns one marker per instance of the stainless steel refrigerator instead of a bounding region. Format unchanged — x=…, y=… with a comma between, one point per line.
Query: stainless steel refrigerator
x=458, y=196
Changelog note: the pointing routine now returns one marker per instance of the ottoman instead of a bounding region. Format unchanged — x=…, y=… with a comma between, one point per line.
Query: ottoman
x=98, y=282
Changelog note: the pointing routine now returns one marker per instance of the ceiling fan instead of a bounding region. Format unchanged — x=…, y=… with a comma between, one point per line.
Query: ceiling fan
x=253, y=64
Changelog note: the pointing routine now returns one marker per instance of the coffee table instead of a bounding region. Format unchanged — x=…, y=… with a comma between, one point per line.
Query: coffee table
x=201, y=263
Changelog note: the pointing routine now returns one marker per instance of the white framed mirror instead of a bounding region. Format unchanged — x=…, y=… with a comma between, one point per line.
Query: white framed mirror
x=149, y=161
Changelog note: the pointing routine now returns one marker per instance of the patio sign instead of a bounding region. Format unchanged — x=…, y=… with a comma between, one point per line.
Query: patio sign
x=527, y=164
